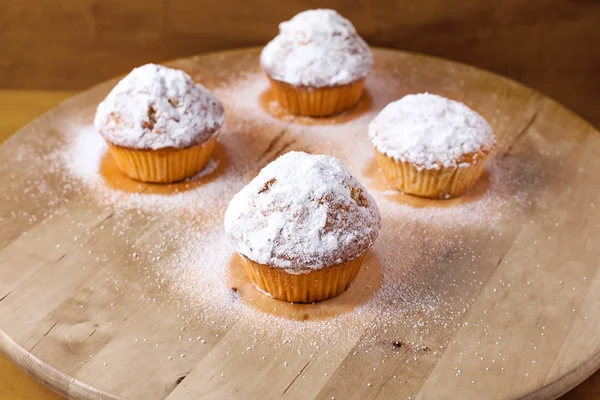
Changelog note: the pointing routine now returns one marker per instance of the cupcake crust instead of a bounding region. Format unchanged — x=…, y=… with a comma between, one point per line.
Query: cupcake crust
x=156, y=107
x=317, y=49
x=302, y=213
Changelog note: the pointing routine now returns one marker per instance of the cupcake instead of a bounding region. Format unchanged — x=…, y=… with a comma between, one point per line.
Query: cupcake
x=431, y=146
x=302, y=227
x=159, y=125
x=317, y=65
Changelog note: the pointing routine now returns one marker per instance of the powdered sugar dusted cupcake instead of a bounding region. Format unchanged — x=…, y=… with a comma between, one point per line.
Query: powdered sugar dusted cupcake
x=431, y=146
x=160, y=126
x=317, y=64
x=303, y=227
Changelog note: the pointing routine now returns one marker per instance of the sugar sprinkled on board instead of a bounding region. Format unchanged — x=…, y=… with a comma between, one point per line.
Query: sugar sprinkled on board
x=406, y=294
x=182, y=251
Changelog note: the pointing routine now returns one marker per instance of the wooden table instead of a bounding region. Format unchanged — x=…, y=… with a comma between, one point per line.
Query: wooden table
x=17, y=108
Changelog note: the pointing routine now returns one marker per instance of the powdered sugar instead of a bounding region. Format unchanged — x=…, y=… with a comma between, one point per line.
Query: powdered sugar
x=317, y=48
x=179, y=255
x=88, y=153
x=416, y=252
x=162, y=267
x=156, y=107
x=302, y=212
x=430, y=131
x=88, y=148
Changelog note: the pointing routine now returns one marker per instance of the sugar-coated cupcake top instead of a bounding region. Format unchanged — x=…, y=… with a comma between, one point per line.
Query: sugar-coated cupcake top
x=430, y=131
x=156, y=107
x=317, y=48
x=301, y=213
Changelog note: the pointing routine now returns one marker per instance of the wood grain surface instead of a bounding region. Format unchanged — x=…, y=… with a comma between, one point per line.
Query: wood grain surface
x=555, y=266
x=17, y=108
x=550, y=45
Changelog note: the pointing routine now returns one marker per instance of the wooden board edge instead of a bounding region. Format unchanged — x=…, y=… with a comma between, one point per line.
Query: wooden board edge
x=54, y=379
x=568, y=381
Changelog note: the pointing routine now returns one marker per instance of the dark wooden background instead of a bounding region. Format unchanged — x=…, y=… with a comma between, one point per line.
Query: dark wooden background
x=551, y=45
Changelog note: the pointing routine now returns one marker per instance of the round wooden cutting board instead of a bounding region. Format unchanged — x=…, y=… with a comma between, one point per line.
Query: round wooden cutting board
x=114, y=289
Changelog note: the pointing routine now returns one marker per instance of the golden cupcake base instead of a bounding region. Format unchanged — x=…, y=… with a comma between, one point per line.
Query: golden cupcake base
x=442, y=183
x=163, y=165
x=314, y=286
x=317, y=102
